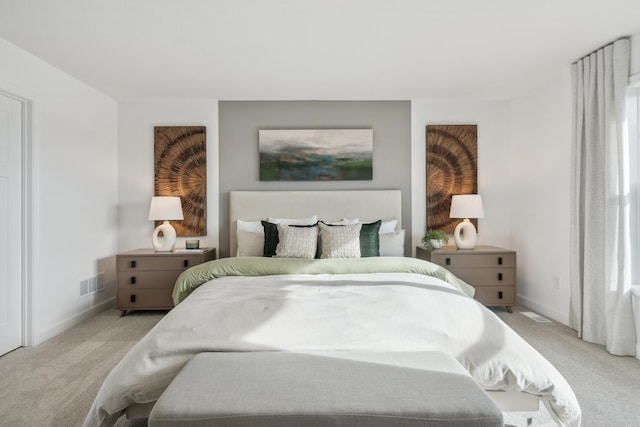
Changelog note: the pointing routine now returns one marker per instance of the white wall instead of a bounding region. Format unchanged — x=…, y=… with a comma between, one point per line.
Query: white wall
x=540, y=174
x=76, y=196
x=492, y=118
x=635, y=55
x=136, y=173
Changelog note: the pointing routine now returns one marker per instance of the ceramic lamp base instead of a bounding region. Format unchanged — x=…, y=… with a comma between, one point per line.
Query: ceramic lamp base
x=465, y=235
x=168, y=240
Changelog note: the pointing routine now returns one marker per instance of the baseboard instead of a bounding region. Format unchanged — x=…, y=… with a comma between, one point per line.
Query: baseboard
x=74, y=320
x=556, y=315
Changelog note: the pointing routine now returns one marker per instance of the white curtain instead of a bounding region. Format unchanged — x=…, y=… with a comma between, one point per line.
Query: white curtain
x=601, y=309
x=633, y=114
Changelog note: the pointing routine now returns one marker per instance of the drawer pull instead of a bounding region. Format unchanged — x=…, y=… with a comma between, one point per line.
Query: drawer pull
x=132, y=298
x=447, y=261
x=132, y=264
x=499, y=260
x=132, y=281
x=185, y=263
x=499, y=294
x=500, y=276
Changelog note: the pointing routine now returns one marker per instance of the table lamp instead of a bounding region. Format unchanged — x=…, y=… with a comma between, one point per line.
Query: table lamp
x=165, y=208
x=466, y=206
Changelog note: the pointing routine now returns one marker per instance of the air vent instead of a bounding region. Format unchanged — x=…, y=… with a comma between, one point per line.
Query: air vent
x=536, y=317
x=92, y=284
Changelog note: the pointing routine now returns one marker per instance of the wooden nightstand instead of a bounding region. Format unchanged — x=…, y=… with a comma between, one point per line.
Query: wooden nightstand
x=490, y=270
x=146, y=278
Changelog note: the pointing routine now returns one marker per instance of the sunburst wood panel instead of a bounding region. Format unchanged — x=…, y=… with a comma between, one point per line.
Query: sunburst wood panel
x=181, y=170
x=452, y=168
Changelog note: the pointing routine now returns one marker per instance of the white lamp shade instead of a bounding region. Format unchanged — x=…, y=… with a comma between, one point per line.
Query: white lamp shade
x=165, y=208
x=466, y=206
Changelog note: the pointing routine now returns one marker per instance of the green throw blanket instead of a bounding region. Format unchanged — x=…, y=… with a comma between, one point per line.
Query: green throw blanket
x=258, y=266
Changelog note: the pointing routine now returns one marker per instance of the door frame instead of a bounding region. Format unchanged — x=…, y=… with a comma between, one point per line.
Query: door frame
x=28, y=207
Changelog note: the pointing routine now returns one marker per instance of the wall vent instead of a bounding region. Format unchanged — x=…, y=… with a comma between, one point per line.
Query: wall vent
x=91, y=284
x=84, y=287
x=535, y=316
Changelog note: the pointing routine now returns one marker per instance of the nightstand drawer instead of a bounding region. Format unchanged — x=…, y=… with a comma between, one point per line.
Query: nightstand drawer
x=472, y=260
x=489, y=269
x=147, y=299
x=159, y=262
x=147, y=279
x=496, y=295
x=486, y=276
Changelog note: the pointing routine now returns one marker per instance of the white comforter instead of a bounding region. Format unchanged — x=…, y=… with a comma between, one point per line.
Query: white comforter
x=363, y=312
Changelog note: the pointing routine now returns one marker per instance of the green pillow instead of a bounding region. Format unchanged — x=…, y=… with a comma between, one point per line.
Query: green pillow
x=369, y=238
x=271, y=237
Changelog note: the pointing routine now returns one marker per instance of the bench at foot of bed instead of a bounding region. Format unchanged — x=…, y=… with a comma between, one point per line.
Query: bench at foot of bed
x=324, y=389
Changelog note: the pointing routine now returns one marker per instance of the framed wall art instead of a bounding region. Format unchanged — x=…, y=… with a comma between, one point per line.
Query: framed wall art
x=316, y=154
x=180, y=165
x=452, y=168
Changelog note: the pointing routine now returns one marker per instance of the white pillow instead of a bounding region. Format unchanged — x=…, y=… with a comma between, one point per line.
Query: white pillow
x=250, y=236
x=392, y=244
x=297, y=242
x=253, y=226
x=299, y=221
x=344, y=221
x=386, y=226
x=250, y=243
x=340, y=242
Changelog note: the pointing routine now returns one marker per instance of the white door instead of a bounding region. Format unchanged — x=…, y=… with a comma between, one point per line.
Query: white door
x=10, y=224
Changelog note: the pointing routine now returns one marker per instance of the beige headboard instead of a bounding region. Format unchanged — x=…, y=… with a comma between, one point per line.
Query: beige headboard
x=367, y=205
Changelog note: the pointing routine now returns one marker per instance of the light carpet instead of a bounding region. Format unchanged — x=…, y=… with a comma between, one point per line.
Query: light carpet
x=54, y=383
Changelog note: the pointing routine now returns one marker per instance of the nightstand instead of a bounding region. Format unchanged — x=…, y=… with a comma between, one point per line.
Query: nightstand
x=490, y=270
x=146, y=278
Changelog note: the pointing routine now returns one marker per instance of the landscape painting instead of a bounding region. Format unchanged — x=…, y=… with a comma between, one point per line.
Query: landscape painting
x=316, y=154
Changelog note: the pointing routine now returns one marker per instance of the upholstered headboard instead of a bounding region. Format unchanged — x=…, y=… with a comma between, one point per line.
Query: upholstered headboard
x=367, y=205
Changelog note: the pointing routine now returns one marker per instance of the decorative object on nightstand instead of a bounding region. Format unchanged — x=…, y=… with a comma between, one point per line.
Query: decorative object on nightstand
x=466, y=206
x=165, y=208
x=146, y=278
x=434, y=239
x=490, y=270
x=192, y=244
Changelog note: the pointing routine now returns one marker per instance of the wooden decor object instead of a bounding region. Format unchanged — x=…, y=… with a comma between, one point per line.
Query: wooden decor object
x=452, y=168
x=181, y=170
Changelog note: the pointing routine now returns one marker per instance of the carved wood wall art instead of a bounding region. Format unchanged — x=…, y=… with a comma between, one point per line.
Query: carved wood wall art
x=452, y=168
x=181, y=170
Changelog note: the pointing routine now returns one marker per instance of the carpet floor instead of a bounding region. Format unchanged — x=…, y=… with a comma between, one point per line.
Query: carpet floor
x=54, y=383
x=607, y=386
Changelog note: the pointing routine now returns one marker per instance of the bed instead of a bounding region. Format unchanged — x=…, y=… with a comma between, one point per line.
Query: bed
x=367, y=304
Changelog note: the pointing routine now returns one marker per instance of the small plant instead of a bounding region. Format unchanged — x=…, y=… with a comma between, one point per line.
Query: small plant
x=433, y=239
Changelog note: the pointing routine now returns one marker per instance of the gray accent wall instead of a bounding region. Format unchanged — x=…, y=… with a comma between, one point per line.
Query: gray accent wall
x=239, y=122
